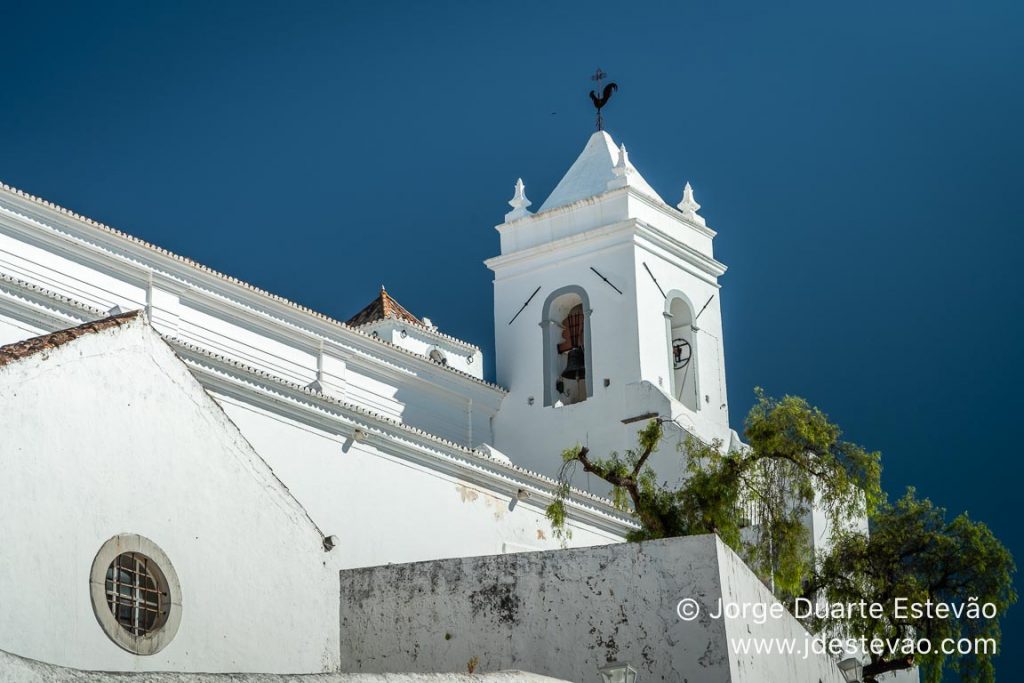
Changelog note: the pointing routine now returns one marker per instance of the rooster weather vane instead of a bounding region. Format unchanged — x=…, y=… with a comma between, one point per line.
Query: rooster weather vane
x=602, y=99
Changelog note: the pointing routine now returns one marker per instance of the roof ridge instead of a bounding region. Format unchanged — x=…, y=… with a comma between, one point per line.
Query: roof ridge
x=391, y=305
x=383, y=307
x=28, y=347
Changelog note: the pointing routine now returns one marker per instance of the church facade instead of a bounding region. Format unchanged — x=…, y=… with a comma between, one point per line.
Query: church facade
x=192, y=444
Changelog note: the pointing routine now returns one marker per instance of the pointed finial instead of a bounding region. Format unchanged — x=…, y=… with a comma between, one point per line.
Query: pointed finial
x=688, y=206
x=519, y=203
x=622, y=170
x=623, y=162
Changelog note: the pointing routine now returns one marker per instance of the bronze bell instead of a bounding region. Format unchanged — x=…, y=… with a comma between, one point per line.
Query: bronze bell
x=575, y=364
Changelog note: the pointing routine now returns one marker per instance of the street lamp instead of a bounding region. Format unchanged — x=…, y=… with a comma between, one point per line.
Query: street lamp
x=852, y=669
x=616, y=672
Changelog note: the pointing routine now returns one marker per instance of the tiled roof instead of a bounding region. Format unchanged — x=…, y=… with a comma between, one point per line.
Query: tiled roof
x=381, y=308
x=23, y=349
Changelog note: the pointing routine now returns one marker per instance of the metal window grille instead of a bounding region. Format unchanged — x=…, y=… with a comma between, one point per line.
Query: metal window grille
x=134, y=593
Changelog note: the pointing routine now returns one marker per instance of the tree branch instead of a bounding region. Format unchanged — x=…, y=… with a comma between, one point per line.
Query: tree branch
x=643, y=458
x=875, y=669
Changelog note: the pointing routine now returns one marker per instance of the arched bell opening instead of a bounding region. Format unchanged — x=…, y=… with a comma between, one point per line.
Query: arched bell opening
x=568, y=371
x=682, y=352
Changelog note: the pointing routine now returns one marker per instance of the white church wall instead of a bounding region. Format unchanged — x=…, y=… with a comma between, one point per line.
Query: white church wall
x=631, y=349
x=384, y=508
x=72, y=257
x=620, y=231
x=291, y=358
x=111, y=434
x=63, y=270
x=739, y=587
x=27, y=310
x=14, y=669
x=711, y=418
x=12, y=330
x=567, y=613
x=452, y=424
x=376, y=393
x=666, y=219
x=455, y=353
x=519, y=353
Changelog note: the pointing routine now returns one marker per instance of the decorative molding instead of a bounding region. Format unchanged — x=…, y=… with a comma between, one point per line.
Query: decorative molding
x=134, y=259
x=683, y=255
x=250, y=386
x=663, y=208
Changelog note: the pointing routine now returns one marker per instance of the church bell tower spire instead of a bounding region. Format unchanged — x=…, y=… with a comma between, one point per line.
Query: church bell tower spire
x=606, y=314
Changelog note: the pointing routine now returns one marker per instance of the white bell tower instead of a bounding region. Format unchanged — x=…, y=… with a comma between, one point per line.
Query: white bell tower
x=607, y=313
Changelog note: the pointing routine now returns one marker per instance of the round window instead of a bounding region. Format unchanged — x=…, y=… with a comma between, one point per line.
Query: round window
x=135, y=594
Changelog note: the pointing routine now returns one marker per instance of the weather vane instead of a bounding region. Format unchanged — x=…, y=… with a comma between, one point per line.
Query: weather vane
x=600, y=101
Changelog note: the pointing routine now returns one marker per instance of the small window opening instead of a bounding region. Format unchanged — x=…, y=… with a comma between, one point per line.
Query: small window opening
x=682, y=356
x=568, y=375
x=137, y=593
x=571, y=383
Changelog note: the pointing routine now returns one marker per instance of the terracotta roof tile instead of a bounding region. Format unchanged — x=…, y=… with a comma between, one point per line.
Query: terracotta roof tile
x=381, y=308
x=23, y=349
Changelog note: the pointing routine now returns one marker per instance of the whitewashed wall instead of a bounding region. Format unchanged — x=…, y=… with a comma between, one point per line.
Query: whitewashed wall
x=458, y=354
x=738, y=586
x=520, y=359
x=615, y=233
x=14, y=669
x=111, y=434
x=566, y=613
x=98, y=268
x=387, y=508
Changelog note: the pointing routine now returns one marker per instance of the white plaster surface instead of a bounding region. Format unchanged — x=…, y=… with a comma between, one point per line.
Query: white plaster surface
x=622, y=234
x=590, y=174
x=111, y=434
x=386, y=508
x=71, y=270
x=564, y=614
x=738, y=586
x=67, y=256
x=14, y=669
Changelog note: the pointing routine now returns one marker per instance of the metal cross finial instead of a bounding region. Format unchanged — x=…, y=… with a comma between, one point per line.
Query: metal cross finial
x=602, y=99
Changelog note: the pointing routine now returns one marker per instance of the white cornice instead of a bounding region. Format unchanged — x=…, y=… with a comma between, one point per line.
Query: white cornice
x=54, y=307
x=665, y=209
x=686, y=255
x=428, y=332
x=681, y=253
x=230, y=378
x=138, y=259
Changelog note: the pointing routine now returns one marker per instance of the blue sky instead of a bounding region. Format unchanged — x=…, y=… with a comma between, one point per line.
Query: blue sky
x=860, y=161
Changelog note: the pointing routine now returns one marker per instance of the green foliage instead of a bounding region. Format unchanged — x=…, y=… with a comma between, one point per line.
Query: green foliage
x=754, y=499
x=913, y=553
x=795, y=459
